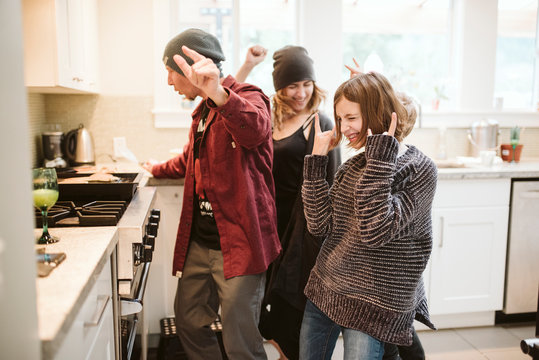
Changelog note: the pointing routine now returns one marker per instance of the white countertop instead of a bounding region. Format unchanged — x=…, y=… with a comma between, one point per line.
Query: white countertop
x=61, y=294
x=523, y=169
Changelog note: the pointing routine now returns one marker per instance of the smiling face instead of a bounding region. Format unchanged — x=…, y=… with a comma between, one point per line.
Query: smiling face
x=363, y=102
x=351, y=122
x=299, y=94
x=182, y=85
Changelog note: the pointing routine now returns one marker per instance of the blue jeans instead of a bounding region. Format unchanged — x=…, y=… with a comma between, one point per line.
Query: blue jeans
x=319, y=335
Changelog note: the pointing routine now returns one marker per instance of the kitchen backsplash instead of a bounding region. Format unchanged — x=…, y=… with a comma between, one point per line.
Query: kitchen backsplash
x=107, y=117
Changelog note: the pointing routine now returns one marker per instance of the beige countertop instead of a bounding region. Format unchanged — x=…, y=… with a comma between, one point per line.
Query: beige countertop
x=523, y=169
x=61, y=294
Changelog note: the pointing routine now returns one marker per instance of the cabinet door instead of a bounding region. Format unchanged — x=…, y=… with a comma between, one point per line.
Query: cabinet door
x=103, y=345
x=91, y=336
x=82, y=46
x=161, y=288
x=60, y=45
x=468, y=259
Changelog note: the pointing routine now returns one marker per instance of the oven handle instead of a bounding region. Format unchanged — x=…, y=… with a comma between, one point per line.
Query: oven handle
x=134, y=306
x=131, y=339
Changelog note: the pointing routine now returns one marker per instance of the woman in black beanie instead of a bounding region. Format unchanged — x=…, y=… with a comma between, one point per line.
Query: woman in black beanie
x=294, y=105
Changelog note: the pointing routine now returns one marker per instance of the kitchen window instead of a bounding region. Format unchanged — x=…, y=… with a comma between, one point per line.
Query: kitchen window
x=406, y=40
x=516, y=55
x=455, y=56
x=238, y=24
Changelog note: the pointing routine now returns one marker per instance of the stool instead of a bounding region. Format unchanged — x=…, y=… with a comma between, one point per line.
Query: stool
x=170, y=346
x=169, y=343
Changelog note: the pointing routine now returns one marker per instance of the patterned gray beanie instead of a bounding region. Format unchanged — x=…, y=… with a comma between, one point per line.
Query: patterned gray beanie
x=202, y=42
x=291, y=64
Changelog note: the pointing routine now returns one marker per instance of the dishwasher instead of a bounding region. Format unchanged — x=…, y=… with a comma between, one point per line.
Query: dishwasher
x=522, y=268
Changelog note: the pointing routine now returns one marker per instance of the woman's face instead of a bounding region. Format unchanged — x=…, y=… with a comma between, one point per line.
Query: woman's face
x=349, y=115
x=300, y=94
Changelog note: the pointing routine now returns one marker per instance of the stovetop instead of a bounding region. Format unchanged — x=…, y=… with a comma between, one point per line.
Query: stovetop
x=84, y=213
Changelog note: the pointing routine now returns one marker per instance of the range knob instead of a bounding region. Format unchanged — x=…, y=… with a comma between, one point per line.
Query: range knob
x=149, y=240
x=147, y=252
x=155, y=214
x=151, y=228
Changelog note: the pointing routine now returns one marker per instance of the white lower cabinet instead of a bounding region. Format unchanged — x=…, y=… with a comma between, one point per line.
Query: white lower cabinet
x=161, y=288
x=467, y=265
x=91, y=335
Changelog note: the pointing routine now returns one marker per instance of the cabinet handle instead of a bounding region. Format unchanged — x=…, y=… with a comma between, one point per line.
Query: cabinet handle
x=441, y=232
x=96, y=319
x=532, y=194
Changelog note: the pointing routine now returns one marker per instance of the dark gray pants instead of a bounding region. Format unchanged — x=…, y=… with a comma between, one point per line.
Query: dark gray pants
x=201, y=290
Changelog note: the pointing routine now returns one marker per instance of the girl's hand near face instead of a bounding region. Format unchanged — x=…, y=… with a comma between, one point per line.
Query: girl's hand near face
x=322, y=139
x=392, y=126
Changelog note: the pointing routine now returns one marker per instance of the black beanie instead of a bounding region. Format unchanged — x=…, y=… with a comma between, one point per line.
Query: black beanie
x=291, y=64
x=202, y=42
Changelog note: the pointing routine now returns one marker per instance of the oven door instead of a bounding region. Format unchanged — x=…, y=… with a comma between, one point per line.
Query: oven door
x=132, y=313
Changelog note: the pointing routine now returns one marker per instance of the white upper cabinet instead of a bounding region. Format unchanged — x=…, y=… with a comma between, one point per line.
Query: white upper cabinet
x=60, y=46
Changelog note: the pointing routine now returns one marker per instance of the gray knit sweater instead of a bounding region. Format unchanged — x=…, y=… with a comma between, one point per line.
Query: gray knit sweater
x=377, y=221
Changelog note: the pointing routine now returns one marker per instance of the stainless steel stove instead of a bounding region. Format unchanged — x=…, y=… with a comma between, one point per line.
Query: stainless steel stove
x=130, y=209
x=138, y=229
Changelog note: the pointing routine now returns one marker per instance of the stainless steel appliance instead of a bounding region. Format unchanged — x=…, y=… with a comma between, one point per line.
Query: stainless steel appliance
x=130, y=209
x=52, y=149
x=522, y=270
x=79, y=146
x=483, y=135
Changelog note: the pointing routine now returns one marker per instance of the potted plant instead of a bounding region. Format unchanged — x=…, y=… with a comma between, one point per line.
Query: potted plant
x=511, y=152
x=439, y=95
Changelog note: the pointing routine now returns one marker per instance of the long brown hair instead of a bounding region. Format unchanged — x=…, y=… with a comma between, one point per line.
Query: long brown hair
x=281, y=108
x=377, y=100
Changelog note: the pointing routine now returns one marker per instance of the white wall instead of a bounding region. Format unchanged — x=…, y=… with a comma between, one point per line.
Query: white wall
x=320, y=32
x=18, y=332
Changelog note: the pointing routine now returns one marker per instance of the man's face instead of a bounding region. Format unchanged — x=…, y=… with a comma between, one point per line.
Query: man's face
x=182, y=85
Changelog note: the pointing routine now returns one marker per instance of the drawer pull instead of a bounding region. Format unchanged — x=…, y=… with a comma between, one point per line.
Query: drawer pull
x=96, y=319
x=532, y=194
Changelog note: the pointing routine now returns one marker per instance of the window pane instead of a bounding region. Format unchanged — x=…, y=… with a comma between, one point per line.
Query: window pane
x=259, y=25
x=411, y=38
x=515, y=53
x=213, y=16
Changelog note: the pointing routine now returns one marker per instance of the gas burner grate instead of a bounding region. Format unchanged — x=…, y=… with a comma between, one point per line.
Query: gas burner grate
x=101, y=213
x=94, y=213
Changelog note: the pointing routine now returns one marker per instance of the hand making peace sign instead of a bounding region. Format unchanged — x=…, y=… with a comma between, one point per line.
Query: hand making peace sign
x=203, y=74
x=392, y=126
x=322, y=139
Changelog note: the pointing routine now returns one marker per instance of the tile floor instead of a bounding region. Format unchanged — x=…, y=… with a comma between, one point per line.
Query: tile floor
x=501, y=342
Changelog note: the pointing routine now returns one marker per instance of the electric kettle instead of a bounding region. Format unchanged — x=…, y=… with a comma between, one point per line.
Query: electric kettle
x=79, y=146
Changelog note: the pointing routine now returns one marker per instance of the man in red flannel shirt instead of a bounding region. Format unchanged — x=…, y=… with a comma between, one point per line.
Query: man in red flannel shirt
x=227, y=234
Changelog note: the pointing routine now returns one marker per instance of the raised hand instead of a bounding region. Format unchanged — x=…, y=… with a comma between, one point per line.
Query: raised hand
x=354, y=71
x=256, y=54
x=322, y=139
x=203, y=74
x=392, y=126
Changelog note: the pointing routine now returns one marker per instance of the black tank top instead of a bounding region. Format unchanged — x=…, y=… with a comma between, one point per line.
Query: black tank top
x=288, y=155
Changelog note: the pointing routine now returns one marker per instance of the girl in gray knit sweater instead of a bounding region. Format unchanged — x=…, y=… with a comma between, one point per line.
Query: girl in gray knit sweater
x=376, y=218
